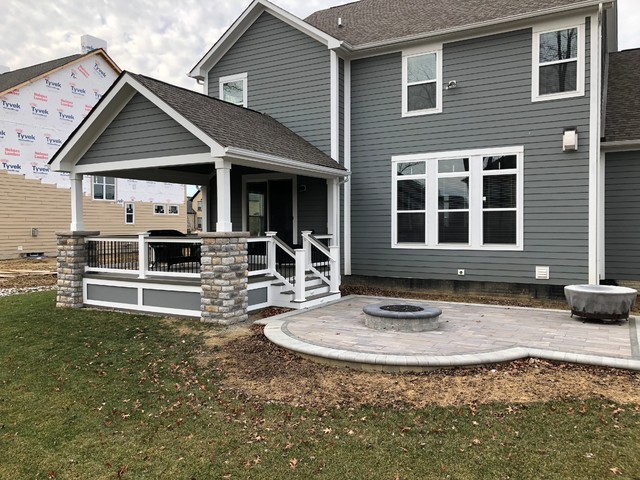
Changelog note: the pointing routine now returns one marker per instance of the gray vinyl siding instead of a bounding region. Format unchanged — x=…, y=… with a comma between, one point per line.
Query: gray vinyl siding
x=491, y=107
x=142, y=130
x=287, y=76
x=622, y=216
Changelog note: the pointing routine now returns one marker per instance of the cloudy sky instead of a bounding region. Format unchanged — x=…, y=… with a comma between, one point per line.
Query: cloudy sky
x=159, y=38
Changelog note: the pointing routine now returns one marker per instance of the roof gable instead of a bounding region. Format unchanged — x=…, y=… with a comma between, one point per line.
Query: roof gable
x=242, y=23
x=378, y=22
x=17, y=78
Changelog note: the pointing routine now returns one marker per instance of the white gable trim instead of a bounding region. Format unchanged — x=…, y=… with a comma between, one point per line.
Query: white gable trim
x=242, y=24
x=106, y=111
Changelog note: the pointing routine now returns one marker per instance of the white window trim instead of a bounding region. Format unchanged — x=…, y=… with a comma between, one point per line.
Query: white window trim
x=169, y=209
x=234, y=78
x=475, y=207
x=164, y=207
x=133, y=213
x=580, y=80
x=104, y=190
x=437, y=49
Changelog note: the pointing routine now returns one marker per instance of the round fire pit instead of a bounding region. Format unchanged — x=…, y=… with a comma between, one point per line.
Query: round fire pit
x=602, y=302
x=401, y=317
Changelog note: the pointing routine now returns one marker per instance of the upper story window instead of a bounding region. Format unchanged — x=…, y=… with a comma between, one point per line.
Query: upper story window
x=422, y=82
x=104, y=188
x=233, y=89
x=558, y=63
x=468, y=200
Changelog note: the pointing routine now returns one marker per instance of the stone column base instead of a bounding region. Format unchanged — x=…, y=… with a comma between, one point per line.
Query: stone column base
x=224, y=275
x=72, y=259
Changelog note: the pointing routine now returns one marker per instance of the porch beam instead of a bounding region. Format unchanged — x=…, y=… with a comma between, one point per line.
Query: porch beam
x=77, y=215
x=152, y=162
x=223, y=182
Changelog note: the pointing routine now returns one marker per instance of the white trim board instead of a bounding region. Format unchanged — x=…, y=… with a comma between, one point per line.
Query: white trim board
x=242, y=24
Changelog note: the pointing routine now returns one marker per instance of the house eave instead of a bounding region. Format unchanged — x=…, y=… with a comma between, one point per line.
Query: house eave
x=273, y=162
x=620, y=146
x=474, y=29
x=242, y=23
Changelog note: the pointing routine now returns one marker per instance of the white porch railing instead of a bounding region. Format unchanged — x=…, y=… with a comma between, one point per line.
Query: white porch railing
x=271, y=256
x=144, y=256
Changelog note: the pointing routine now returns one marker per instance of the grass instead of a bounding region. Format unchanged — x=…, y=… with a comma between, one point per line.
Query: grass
x=93, y=394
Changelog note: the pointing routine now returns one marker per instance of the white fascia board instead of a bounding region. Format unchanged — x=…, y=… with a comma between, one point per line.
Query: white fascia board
x=244, y=21
x=99, y=118
x=106, y=111
x=272, y=162
x=475, y=30
x=216, y=148
x=171, y=161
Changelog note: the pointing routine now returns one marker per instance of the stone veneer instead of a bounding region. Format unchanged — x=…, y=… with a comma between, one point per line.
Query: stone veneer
x=72, y=258
x=224, y=275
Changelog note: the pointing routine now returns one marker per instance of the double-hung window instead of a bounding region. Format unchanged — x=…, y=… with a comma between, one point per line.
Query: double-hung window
x=233, y=89
x=104, y=188
x=558, y=63
x=422, y=82
x=458, y=200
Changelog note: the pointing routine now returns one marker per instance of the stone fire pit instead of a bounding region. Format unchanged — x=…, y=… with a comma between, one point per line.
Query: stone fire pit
x=401, y=317
x=602, y=302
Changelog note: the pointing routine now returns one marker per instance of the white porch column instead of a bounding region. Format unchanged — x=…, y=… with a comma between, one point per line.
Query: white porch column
x=333, y=210
x=204, y=190
x=223, y=179
x=77, y=216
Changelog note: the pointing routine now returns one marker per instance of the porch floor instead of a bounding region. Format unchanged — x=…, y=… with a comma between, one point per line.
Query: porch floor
x=468, y=335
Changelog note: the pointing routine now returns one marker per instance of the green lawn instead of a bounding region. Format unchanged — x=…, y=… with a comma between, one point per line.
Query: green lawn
x=89, y=394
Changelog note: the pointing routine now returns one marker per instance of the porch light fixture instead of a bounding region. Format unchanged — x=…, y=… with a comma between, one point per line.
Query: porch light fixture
x=570, y=139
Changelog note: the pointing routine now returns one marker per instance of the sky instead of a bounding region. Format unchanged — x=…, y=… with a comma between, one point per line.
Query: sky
x=163, y=39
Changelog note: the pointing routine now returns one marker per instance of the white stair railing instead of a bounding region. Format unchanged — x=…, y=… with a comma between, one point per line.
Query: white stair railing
x=329, y=254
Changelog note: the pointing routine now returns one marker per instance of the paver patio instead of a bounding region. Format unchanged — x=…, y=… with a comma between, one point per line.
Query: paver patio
x=468, y=334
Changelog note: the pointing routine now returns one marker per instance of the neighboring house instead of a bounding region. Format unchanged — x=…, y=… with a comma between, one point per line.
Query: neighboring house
x=40, y=106
x=195, y=212
x=438, y=147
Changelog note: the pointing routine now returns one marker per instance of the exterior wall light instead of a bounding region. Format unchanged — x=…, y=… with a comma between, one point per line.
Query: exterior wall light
x=570, y=139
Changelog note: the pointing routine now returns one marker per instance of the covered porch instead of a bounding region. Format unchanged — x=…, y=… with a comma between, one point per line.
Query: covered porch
x=270, y=204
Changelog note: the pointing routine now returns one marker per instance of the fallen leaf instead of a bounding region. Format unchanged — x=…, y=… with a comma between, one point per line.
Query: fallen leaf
x=293, y=463
x=616, y=471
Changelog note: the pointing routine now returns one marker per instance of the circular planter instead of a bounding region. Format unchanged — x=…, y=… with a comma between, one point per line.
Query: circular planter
x=602, y=302
x=401, y=317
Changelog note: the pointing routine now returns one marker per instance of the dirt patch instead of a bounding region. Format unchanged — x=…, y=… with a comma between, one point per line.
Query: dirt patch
x=259, y=370
x=28, y=273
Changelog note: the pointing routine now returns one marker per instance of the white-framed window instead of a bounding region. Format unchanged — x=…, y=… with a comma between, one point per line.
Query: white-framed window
x=173, y=210
x=159, y=209
x=233, y=89
x=558, y=62
x=104, y=188
x=129, y=213
x=198, y=223
x=422, y=81
x=199, y=205
x=461, y=200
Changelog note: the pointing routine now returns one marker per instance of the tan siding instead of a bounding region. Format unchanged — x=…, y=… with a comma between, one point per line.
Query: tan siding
x=27, y=204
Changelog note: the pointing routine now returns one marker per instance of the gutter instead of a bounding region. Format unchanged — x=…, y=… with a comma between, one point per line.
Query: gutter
x=620, y=146
x=273, y=160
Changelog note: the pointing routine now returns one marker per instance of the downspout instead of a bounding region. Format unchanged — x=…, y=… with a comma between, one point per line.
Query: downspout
x=596, y=191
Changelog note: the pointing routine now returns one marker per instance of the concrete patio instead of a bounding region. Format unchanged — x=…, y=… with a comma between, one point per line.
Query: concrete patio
x=468, y=334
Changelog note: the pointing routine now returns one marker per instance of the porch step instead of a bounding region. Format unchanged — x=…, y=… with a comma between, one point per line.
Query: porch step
x=316, y=300
x=261, y=278
x=308, y=288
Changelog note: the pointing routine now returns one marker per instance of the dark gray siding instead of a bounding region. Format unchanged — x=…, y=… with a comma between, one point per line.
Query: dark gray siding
x=168, y=299
x=107, y=293
x=622, y=216
x=142, y=130
x=288, y=77
x=491, y=107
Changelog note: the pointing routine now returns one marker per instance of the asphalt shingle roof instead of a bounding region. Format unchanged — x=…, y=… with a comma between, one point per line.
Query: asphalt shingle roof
x=234, y=126
x=623, y=97
x=14, y=78
x=372, y=21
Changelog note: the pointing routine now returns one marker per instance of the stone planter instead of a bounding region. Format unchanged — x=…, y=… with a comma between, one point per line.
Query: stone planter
x=602, y=302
